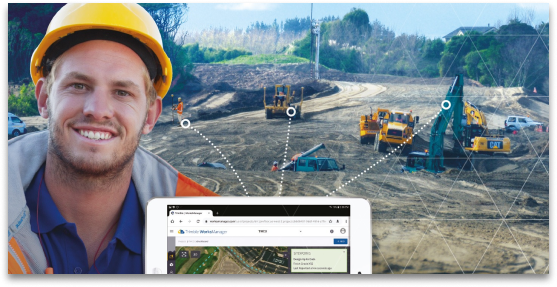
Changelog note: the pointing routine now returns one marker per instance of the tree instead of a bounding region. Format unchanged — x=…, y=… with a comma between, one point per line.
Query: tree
x=432, y=49
x=446, y=65
x=24, y=104
x=27, y=25
x=473, y=62
x=169, y=17
x=358, y=17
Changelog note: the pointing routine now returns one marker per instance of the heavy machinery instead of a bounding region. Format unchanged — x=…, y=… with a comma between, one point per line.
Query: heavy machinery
x=470, y=133
x=396, y=129
x=371, y=124
x=303, y=162
x=282, y=101
x=477, y=137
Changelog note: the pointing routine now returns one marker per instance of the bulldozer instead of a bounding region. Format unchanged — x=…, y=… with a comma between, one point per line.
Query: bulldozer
x=396, y=129
x=371, y=124
x=283, y=100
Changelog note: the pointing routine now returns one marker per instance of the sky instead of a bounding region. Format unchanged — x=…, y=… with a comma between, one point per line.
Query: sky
x=434, y=20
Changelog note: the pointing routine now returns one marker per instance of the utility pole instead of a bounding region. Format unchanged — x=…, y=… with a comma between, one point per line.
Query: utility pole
x=311, y=38
x=316, y=31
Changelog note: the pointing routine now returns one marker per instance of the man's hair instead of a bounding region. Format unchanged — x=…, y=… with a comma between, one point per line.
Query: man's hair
x=150, y=90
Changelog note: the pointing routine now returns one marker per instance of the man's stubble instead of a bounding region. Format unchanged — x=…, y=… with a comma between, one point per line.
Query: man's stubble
x=71, y=165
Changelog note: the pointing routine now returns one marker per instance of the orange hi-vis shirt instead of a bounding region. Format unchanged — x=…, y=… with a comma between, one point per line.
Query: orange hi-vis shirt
x=180, y=108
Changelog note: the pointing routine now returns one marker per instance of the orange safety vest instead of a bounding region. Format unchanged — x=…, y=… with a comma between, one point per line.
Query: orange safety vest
x=274, y=168
x=180, y=108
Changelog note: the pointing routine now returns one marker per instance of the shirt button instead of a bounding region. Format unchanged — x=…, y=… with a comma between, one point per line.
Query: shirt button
x=77, y=270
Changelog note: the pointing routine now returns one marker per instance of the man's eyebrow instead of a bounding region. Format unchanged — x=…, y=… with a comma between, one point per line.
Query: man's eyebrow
x=78, y=76
x=126, y=84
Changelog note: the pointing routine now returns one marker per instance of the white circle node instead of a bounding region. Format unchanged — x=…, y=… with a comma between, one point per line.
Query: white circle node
x=182, y=123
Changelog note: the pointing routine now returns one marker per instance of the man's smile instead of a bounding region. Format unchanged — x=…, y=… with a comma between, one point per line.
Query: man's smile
x=95, y=135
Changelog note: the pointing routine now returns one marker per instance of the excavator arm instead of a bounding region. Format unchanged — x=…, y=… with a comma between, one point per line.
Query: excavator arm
x=474, y=115
x=452, y=107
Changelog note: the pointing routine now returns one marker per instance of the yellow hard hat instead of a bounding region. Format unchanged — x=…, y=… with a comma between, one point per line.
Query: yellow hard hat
x=105, y=21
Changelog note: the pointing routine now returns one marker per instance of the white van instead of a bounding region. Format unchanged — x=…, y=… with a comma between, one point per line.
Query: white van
x=15, y=125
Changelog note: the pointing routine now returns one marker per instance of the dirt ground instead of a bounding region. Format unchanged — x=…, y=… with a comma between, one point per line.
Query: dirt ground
x=421, y=223
x=493, y=219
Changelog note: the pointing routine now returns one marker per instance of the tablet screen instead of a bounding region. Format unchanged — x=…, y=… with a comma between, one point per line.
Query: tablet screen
x=263, y=239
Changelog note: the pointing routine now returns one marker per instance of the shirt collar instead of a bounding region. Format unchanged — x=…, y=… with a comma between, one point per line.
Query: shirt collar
x=130, y=224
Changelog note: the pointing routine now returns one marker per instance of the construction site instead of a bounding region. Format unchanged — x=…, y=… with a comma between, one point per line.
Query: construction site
x=482, y=213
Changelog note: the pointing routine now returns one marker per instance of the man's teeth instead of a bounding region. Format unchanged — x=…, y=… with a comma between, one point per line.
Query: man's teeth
x=95, y=135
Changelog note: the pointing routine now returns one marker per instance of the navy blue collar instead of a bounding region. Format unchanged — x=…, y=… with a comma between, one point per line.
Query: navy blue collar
x=130, y=224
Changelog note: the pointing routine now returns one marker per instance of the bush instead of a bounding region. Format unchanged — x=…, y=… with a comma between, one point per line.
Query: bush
x=25, y=103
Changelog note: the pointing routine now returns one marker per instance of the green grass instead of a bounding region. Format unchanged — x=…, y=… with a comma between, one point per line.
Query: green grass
x=208, y=259
x=264, y=59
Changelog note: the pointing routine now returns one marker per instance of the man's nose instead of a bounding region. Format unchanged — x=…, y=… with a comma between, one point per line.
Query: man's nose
x=98, y=105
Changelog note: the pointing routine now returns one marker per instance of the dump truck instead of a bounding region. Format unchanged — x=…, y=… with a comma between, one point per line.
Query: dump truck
x=371, y=124
x=396, y=129
x=283, y=103
x=304, y=162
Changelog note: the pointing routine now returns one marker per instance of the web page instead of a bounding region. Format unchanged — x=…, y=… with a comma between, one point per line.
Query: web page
x=269, y=239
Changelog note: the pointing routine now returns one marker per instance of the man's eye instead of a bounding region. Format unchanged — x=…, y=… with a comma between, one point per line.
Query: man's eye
x=123, y=93
x=79, y=86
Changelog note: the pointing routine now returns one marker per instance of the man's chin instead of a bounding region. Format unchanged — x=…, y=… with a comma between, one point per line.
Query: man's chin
x=97, y=167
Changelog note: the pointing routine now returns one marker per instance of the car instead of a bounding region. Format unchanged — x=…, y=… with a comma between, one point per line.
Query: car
x=16, y=126
x=513, y=123
x=215, y=165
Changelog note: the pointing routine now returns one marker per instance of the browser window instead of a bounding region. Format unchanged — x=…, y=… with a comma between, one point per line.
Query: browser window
x=268, y=239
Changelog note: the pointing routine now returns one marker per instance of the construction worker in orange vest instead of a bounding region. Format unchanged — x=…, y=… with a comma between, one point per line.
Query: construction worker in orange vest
x=275, y=166
x=179, y=108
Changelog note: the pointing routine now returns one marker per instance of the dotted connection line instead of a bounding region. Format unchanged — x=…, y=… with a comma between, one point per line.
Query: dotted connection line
x=205, y=262
x=285, y=151
x=223, y=157
x=384, y=157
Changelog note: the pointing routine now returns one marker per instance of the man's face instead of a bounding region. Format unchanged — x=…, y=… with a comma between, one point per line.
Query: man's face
x=97, y=107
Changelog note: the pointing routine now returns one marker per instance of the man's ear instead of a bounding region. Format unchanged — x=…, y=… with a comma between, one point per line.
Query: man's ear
x=152, y=115
x=42, y=97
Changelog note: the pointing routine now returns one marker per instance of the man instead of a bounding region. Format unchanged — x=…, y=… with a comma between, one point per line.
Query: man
x=275, y=166
x=179, y=108
x=78, y=192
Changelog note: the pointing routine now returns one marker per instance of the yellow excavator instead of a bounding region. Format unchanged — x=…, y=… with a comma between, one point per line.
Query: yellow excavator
x=477, y=136
x=396, y=129
x=371, y=124
x=283, y=100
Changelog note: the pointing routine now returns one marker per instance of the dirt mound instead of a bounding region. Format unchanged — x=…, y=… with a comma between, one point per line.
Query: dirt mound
x=257, y=76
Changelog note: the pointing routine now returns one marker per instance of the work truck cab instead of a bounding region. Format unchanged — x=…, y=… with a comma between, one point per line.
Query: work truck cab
x=315, y=164
x=397, y=129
